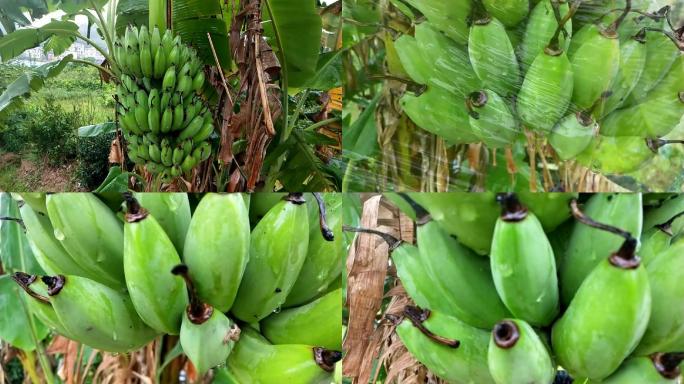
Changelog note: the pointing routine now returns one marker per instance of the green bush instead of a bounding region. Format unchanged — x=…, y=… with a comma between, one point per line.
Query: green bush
x=93, y=160
x=14, y=130
x=53, y=131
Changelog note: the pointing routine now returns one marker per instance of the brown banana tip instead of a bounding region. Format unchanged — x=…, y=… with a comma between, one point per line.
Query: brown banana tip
x=512, y=210
x=134, y=211
x=478, y=99
x=328, y=234
x=23, y=279
x=326, y=358
x=667, y=364
x=506, y=334
x=54, y=283
x=417, y=316
x=197, y=311
x=296, y=198
x=626, y=257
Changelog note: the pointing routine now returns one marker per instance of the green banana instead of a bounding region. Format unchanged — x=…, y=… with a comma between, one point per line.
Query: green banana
x=546, y=90
x=664, y=212
x=202, y=152
x=255, y=361
x=38, y=303
x=198, y=82
x=159, y=69
x=140, y=113
x=146, y=61
x=216, y=276
x=492, y=119
x=463, y=359
x=656, y=369
x=96, y=315
x=612, y=305
x=188, y=164
x=261, y=203
x=36, y=200
x=278, y=250
x=454, y=268
x=167, y=156
x=510, y=13
x=153, y=120
x=593, y=77
x=450, y=16
x=178, y=117
x=468, y=216
x=48, y=251
x=523, y=264
x=573, y=135
x=665, y=331
x=588, y=246
x=616, y=155
x=157, y=296
x=206, y=335
x=178, y=156
x=492, y=55
x=155, y=153
x=192, y=129
x=318, y=323
x=660, y=57
x=155, y=41
x=167, y=120
x=204, y=133
x=90, y=232
x=325, y=257
x=169, y=82
x=632, y=61
x=540, y=30
x=517, y=355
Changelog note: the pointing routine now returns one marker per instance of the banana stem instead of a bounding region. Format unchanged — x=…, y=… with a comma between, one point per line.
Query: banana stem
x=616, y=24
x=392, y=241
x=667, y=364
x=295, y=198
x=103, y=25
x=322, y=219
x=417, y=316
x=582, y=218
x=24, y=280
x=667, y=226
x=554, y=45
x=655, y=144
x=197, y=311
x=101, y=68
x=422, y=215
x=326, y=358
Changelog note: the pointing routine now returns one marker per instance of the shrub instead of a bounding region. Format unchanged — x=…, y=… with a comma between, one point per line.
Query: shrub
x=53, y=131
x=93, y=160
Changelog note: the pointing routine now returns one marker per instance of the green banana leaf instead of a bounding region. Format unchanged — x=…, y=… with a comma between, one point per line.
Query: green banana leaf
x=14, y=319
x=61, y=34
x=293, y=29
x=96, y=129
x=29, y=81
x=360, y=138
x=130, y=12
x=329, y=71
x=193, y=19
x=15, y=252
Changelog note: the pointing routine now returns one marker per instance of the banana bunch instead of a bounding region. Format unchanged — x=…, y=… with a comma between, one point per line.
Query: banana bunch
x=194, y=266
x=165, y=120
x=598, y=295
x=598, y=81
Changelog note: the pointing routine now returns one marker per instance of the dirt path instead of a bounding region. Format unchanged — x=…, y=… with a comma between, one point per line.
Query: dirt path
x=40, y=177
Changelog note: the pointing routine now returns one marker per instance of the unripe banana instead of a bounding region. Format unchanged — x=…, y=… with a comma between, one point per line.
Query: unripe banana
x=216, y=276
x=207, y=335
x=318, y=323
x=523, y=264
x=173, y=57
x=48, y=251
x=169, y=82
x=155, y=153
x=167, y=42
x=204, y=133
x=188, y=164
x=657, y=369
x=38, y=304
x=198, y=82
x=184, y=85
x=141, y=113
x=665, y=331
x=192, y=129
x=202, y=152
x=613, y=305
x=589, y=246
x=96, y=315
x=146, y=61
x=153, y=120
x=90, y=232
x=149, y=255
x=255, y=361
x=178, y=156
x=448, y=347
x=325, y=256
x=159, y=64
x=278, y=248
x=178, y=117
x=36, y=200
x=167, y=120
x=155, y=41
x=518, y=356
